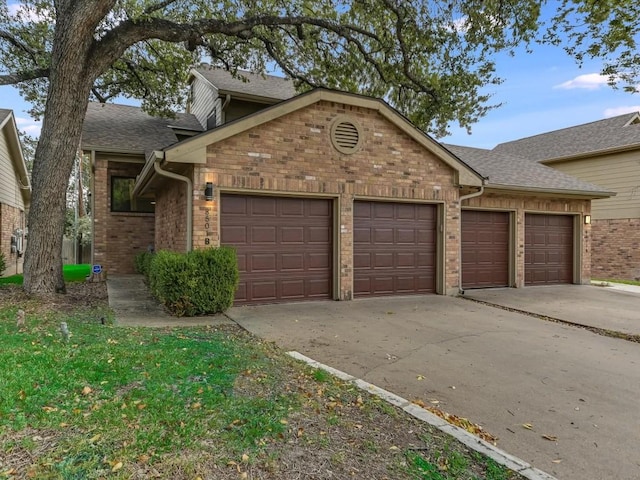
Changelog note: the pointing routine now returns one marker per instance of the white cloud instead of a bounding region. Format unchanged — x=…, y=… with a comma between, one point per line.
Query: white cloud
x=614, y=112
x=29, y=126
x=589, y=81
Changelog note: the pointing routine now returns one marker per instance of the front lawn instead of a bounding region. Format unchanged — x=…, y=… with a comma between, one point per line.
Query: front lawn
x=71, y=273
x=188, y=403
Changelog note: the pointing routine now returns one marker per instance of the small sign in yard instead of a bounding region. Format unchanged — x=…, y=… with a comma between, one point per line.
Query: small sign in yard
x=97, y=269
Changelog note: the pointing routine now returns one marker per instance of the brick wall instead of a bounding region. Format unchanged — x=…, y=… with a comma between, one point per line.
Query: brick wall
x=616, y=249
x=294, y=154
x=11, y=219
x=171, y=208
x=118, y=237
x=522, y=204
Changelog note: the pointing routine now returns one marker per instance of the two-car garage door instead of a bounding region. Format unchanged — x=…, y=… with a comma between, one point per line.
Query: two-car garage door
x=548, y=249
x=285, y=247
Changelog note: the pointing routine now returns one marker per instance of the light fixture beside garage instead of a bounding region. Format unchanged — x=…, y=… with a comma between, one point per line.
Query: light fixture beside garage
x=208, y=191
x=346, y=135
x=587, y=219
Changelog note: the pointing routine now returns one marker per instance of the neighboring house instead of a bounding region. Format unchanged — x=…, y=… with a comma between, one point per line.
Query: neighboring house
x=15, y=194
x=329, y=195
x=607, y=153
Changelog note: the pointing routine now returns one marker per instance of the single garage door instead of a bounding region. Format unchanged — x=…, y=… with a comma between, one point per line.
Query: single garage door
x=394, y=248
x=485, y=249
x=548, y=249
x=284, y=246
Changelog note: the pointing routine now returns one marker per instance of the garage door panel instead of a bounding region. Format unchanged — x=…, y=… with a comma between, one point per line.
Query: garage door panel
x=263, y=234
x=292, y=235
x=287, y=254
x=485, y=249
x=397, y=250
x=548, y=249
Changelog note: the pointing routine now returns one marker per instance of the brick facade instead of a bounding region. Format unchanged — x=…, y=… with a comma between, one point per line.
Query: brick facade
x=118, y=237
x=616, y=249
x=11, y=219
x=522, y=204
x=294, y=155
x=171, y=207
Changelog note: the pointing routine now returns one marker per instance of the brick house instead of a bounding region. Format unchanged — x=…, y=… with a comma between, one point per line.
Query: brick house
x=606, y=152
x=328, y=195
x=15, y=194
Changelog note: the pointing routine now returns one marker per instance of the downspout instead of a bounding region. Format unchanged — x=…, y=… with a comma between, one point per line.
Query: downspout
x=156, y=165
x=92, y=188
x=465, y=197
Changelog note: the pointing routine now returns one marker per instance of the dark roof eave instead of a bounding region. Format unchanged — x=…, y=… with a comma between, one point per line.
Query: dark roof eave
x=553, y=191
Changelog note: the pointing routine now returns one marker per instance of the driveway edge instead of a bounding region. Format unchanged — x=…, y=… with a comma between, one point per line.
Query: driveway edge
x=471, y=441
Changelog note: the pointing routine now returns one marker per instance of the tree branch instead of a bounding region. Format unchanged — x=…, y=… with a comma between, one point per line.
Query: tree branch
x=157, y=6
x=19, y=44
x=13, y=78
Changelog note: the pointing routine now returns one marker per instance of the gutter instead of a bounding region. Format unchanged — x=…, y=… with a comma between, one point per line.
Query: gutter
x=465, y=197
x=587, y=194
x=164, y=173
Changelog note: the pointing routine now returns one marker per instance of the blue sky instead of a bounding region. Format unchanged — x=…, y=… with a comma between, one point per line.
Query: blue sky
x=542, y=91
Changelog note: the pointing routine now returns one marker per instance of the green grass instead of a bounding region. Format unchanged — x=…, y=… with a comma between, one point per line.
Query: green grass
x=194, y=402
x=71, y=273
x=626, y=282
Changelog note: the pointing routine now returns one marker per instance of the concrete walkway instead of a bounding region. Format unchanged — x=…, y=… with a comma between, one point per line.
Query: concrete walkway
x=134, y=306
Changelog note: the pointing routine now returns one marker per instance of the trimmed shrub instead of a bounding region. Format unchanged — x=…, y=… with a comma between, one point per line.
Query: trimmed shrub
x=143, y=262
x=200, y=282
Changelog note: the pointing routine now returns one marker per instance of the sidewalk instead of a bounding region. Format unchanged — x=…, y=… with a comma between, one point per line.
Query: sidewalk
x=134, y=306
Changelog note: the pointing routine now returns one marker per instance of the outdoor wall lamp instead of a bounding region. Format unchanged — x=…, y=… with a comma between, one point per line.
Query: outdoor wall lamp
x=587, y=219
x=208, y=191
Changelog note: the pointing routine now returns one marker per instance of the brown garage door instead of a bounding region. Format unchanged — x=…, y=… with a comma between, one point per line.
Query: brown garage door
x=485, y=249
x=284, y=247
x=548, y=249
x=394, y=248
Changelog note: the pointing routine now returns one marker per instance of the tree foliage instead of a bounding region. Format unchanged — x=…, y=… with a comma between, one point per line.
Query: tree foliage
x=429, y=59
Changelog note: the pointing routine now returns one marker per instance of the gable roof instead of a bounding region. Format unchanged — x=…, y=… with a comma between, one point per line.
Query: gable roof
x=253, y=85
x=507, y=171
x=8, y=123
x=194, y=150
x=125, y=128
x=611, y=134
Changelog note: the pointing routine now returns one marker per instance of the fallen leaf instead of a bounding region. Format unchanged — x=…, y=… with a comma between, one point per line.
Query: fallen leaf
x=245, y=457
x=528, y=426
x=551, y=438
x=434, y=402
x=144, y=458
x=393, y=447
x=196, y=405
x=116, y=467
x=420, y=377
x=87, y=390
x=95, y=438
x=556, y=461
x=49, y=409
x=284, y=421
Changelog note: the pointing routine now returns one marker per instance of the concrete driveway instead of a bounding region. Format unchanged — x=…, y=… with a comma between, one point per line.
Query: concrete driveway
x=497, y=368
x=602, y=307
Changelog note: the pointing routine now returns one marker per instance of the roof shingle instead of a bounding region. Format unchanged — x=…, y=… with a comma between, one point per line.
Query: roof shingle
x=581, y=139
x=255, y=85
x=511, y=170
x=126, y=127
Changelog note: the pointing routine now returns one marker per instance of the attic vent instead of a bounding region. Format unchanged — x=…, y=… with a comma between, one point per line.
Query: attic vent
x=345, y=135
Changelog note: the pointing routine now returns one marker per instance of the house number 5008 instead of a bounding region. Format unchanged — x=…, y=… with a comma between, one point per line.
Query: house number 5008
x=207, y=223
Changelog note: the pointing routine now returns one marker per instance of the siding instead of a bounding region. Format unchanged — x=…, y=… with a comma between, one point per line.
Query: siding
x=202, y=100
x=10, y=193
x=619, y=173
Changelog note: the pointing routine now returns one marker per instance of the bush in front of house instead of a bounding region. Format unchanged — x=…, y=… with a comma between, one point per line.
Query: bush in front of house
x=143, y=263
x=196, y=283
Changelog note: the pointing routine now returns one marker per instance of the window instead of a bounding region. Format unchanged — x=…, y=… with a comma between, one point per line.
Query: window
x=122, y=199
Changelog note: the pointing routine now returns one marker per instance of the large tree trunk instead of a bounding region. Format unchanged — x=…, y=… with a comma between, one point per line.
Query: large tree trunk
x=68, y=96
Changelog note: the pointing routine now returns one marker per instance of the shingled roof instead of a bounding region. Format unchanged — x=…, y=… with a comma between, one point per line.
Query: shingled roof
x=249, y=84
x=123, y=127
x=602, y=135
x=506, y=170
x=4, y=113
